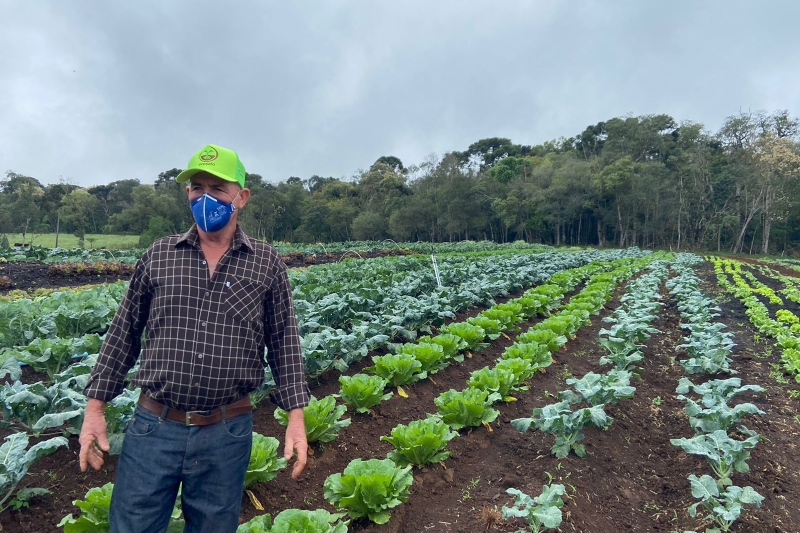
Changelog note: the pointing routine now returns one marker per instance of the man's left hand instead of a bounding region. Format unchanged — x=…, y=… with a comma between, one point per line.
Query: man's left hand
x=296, y=442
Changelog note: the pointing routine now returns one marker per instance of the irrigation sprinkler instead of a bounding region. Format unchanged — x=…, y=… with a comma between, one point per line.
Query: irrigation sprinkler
x=435, y=266
x=349, y=252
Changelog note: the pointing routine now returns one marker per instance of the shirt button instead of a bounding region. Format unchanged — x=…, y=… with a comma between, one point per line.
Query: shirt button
x=204, y=262
x=208, y=294
x=199, y=356
x=203, y=324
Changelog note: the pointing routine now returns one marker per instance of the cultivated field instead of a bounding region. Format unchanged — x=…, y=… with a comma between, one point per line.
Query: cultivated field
x=644, y=392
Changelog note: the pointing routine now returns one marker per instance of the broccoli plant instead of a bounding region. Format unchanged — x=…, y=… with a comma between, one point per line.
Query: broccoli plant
x=724, y=508
x=724, y=454
x=558, y=419
x=541, y=512
x=598, y=389
x=15, y=460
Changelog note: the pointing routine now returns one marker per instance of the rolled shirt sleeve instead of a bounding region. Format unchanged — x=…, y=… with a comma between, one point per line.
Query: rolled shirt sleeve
x=284, y=354
x=122, y=343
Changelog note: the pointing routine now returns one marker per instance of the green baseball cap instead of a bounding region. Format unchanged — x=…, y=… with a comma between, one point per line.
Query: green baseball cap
x=216, y=160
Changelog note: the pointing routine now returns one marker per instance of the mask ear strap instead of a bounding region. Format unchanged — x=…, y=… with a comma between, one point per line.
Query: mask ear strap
x=233, y=205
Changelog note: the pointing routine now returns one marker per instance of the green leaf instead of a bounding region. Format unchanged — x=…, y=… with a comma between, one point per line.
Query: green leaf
x=421, y=442
x=369, y=488
x=362, y=391
x=265, y=460
x=322, y=418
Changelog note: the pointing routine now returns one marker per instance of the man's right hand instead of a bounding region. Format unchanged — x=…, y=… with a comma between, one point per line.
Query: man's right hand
x=93, y=438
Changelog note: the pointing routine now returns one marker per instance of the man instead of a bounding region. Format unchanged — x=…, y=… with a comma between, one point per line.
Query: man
x=210, y=301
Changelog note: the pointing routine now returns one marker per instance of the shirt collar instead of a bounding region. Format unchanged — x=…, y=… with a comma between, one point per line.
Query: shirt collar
x=192, y=238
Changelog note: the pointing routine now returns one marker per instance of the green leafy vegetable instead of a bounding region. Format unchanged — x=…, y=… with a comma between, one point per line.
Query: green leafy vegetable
x=265, y=460
x=296, y=521
x=421, y=442
x=94, y=513
x=499, y=380
x=537, y=354
x=723, y=508
x=429, y=354
x=471, y=334
x=723, y=453
x=397, y=369
x=15, y=460
x=597, y=389
x=369, y=488
x=558, y=419
x=322, y=418
x=469, y=408
x=362, y=392
x=540, y=513
x=491, y=328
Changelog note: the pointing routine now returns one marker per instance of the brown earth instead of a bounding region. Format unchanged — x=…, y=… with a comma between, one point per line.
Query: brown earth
x=32, y=275
x=632, y=480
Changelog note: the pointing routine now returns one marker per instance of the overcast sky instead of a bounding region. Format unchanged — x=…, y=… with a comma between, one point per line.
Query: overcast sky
x=94, y=92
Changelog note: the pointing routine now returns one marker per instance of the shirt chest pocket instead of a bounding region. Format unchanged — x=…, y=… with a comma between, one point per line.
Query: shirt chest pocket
x=243, y=300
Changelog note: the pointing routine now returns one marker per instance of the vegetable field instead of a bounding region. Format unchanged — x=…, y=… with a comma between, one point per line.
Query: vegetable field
x=512, y=390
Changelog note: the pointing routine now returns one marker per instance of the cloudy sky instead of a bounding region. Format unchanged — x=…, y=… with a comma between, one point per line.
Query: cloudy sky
x=93, y=92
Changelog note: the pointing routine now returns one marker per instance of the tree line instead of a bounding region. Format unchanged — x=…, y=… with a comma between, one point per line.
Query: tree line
x=643, y=181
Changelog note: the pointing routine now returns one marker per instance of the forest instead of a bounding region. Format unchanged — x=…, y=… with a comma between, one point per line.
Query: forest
x=644, y=181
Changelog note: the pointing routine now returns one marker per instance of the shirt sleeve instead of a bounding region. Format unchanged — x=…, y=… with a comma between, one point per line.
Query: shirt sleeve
x=284, y=355
x=122, y=343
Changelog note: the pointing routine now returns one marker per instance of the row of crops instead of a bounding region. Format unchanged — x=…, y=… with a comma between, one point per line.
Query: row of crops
x=54, y=255
x=346, y=310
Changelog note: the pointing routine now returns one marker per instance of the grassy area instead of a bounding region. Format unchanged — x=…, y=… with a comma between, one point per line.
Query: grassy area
x=71, y=241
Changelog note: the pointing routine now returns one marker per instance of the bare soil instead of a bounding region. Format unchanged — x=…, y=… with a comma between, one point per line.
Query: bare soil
x=632, y=480
x=32, y=275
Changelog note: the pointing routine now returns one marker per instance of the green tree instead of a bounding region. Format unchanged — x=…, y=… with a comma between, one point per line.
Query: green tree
x=75, y=211
x=157, y=227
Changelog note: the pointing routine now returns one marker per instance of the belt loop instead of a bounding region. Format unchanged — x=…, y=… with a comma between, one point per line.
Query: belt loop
x=223, y=413
x=163, y=414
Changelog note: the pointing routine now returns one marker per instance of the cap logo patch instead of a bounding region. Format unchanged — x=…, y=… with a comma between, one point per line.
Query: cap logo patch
x=208, y=154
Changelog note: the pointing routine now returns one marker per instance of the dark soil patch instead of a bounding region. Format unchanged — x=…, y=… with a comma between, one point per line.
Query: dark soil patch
x=632, y=480
x=32, y=275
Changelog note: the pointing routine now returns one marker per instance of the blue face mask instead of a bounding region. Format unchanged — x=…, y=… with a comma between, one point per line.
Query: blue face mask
x=210, y=213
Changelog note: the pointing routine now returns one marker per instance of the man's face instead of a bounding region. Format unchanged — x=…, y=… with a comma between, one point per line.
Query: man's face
x=220, y=189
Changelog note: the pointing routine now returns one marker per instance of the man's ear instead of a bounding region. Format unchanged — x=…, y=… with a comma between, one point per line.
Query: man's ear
x=244, y=196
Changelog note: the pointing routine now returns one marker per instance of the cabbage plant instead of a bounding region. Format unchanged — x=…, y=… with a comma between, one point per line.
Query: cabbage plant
x=397, y=368
x=362, y=392
x=369, y=488
x=296, y=521
x=322, y=418
x=468, y=408
x=421, y=442
x=264, y=460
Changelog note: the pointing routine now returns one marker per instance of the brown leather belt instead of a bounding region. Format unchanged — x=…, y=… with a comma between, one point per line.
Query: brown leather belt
x=197, y=418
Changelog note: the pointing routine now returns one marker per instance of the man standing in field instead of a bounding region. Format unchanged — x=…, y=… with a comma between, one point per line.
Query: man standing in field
x=210, y=301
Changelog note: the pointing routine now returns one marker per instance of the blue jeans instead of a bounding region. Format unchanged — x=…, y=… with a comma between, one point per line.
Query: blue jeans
x=158, y=455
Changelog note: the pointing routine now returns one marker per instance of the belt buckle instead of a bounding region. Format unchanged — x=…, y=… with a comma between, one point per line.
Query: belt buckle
x=189, y=417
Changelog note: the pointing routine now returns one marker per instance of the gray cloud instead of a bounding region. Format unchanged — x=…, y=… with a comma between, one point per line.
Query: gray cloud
x=96, y=92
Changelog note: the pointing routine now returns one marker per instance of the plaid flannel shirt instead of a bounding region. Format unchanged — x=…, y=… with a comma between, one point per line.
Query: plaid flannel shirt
x=205, y=337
